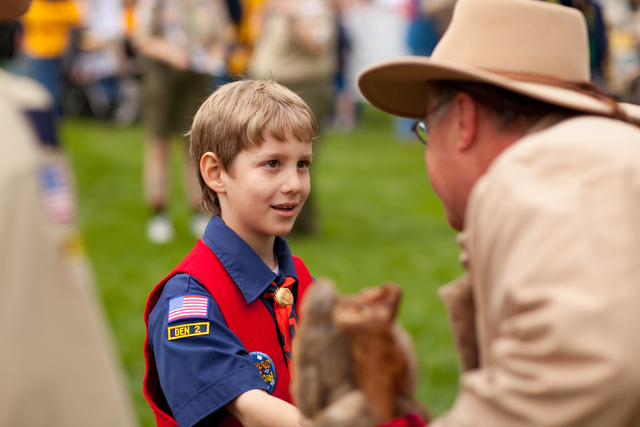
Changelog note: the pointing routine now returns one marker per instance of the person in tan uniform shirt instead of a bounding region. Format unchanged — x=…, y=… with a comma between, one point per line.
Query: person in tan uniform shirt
x=297, y=47
x=539, y=170
x=57, y=364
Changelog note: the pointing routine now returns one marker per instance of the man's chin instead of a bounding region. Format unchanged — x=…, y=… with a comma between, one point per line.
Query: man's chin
x=455, y=221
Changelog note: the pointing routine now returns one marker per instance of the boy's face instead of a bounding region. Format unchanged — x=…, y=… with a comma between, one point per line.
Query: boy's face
x=265, y=187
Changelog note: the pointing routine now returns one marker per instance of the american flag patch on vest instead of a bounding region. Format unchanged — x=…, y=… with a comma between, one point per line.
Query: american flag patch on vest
x=186, y=306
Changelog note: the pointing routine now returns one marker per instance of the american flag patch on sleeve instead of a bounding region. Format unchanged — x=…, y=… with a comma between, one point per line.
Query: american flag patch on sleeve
x=188, y=306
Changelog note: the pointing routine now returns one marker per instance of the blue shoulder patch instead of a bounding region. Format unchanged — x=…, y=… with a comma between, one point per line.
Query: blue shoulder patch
x=267, y=369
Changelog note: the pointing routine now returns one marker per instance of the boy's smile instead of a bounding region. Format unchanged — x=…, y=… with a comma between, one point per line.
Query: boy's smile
x=287, y=209
x=265, y=187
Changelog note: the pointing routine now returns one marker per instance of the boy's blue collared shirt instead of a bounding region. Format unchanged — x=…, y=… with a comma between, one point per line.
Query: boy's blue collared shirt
x=245, y=267
x=200, y=374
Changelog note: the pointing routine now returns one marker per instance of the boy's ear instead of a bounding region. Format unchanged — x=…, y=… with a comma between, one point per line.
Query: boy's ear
x=211, y=171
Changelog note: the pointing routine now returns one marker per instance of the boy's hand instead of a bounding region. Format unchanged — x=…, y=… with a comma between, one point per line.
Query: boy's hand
x=256, y=408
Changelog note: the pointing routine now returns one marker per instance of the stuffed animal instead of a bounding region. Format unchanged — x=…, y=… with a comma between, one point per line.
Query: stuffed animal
x=354, y=365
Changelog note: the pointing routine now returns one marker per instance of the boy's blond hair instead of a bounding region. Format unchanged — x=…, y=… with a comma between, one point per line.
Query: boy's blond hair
x=242, y=113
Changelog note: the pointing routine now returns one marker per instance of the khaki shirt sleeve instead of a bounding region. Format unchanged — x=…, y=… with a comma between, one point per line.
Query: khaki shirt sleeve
x=554, y=245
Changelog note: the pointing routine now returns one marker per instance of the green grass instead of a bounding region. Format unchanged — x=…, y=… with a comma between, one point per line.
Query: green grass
x=380, y=221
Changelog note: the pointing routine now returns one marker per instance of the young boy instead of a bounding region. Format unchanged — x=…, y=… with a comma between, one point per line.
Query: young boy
x=218, y=343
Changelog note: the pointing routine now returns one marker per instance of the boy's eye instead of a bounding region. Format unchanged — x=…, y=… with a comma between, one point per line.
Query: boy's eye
x=304, y=164
x=272, y=163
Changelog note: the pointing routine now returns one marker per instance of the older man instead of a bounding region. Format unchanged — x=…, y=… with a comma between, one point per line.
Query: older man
x=540, y=171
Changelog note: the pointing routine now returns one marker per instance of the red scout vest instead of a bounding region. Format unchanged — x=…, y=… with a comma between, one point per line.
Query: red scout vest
x=240, y=317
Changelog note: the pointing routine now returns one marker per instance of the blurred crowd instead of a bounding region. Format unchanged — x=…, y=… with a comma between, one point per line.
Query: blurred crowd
x=85, y=52
x=90, y=54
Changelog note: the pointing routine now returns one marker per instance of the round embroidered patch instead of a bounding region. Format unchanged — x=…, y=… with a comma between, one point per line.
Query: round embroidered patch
x=267, y=369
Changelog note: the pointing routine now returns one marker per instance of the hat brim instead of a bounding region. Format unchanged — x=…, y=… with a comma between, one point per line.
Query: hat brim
x=399, y=87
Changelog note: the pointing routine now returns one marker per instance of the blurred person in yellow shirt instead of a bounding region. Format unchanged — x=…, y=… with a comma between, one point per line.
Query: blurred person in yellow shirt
x=249, y=29
x=48, y=25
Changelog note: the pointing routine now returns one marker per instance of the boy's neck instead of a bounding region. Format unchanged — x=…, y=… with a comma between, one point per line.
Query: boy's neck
x=264, y=249
x=261, y=244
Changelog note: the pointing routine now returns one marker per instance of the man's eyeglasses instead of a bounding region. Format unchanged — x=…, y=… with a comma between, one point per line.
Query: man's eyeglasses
x=421, y=129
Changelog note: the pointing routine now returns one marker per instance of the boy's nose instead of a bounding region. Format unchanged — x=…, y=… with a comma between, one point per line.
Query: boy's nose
x=293, y=182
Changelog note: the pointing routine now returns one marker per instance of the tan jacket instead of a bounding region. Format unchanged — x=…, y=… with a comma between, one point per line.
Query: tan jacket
x=57, y=364
x=547, y=317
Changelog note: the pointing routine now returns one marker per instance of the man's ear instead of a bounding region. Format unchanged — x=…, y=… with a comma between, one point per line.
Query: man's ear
x=467, y=120
x=212, y=172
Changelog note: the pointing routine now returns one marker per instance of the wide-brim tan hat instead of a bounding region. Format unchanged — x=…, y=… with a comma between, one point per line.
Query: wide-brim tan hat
x=531, y=47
